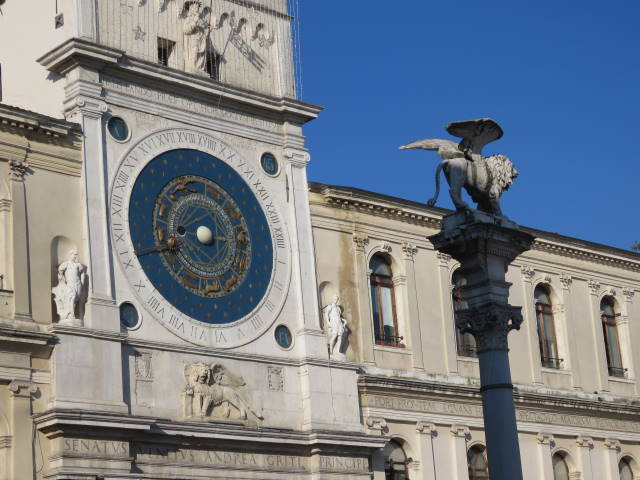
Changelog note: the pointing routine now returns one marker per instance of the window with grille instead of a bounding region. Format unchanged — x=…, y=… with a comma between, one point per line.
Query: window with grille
x=545, y=324
x=165, y=51
x=395, y=462
x=465, y=342
x=383, y=304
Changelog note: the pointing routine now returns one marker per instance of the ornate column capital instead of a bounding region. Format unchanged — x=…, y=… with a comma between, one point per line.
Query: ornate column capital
x=444, y=259
x=90, y=107
x=361, y=241
x=297, y=158
x=566, y=281
x=594, y=287
x=613, y=444
x=460, y=431
x=545, y=438
x=490, y=324
x=18, y=169
x=527, y=272
x=21, y=388
x=409, y=251
x=584, y=441
x=426, y=428
x=377, y=424
x=628, y=294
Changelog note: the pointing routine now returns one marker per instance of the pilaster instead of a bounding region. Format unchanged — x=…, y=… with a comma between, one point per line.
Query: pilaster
x=22, y=428
x=86, y=19
x=409, y=251
x=21, y=284
x=361, y=272
x=459, y=436
x=101, y=312
x=529, y=318
x=601, y=368
x=448, y=322
x=426, y=432
x=545, y=442
x=566, y=281
x=302, y=253
x=585, y=445
x=613, y=448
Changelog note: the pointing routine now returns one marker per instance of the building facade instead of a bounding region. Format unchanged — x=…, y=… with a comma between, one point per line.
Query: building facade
x=178, y=301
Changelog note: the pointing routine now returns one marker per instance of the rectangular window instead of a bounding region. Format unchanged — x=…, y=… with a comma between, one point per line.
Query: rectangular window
x=165, y=50
x=614, y=357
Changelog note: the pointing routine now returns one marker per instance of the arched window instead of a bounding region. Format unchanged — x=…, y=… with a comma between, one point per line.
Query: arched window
x=560, y=467
x=546, y=328
x=626, y=472
x=465, y=343
x=611, y=341
x=383, y=304
x=477, y=461
x=395, y=462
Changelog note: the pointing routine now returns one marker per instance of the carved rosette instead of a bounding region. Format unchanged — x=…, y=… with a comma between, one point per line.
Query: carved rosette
x=490, y=324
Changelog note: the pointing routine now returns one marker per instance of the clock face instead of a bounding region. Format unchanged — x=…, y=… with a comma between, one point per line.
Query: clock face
x=205, y=246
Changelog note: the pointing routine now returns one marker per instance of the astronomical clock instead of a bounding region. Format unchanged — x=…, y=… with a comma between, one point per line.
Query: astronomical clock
x=199, y=238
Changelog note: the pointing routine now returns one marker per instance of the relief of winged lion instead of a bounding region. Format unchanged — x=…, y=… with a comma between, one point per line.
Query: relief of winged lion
x=484, y=178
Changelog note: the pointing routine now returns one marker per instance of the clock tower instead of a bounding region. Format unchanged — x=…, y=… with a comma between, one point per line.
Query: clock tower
x=194, y=346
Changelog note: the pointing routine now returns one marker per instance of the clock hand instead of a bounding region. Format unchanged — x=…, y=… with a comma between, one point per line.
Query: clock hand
x=171, y=245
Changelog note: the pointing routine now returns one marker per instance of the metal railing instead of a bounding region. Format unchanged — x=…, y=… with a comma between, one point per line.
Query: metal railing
x=618, y=372
x=552, y=362
x=390, y=340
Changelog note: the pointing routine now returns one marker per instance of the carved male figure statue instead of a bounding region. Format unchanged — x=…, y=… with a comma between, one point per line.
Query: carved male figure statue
x=196, y=31
x=336, y=325
x=70, y=294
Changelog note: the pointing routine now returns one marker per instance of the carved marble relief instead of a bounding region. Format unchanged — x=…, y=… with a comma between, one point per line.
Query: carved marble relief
x=197, y=41
x=276, y=378
x=70, y=294
x=212, y=392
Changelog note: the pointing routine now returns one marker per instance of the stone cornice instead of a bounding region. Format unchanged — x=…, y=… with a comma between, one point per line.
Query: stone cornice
x=52, y=422
x=408, y=211
x=17, y=118
x=465, y=394
x=77, y=52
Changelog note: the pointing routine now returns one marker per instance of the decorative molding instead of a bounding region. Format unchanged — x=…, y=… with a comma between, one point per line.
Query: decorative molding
x=409, y=250
x=276, y=378
x=426, y=428
x=566, y=281
x=297, y=158
x=613, y=444
x=548, y=278
x=386, y=247
x=18, y=169
x=586, y=255
x=594, y=287
x=334, y=197
x=399, y=280
x=361, y=240
x=460, y=431
x=545, y=438
x=528, y=272
x=584, y=441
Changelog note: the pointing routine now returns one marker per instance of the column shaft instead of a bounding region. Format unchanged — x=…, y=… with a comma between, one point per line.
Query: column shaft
x=459, y=439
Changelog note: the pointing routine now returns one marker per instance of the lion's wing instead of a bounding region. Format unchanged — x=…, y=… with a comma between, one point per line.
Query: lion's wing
x=431, y=144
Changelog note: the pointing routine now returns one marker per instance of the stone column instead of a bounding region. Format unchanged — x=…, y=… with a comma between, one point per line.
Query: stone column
x=21, y=428
x=585, y=445
x=20, y=241
x=485, y=245
x=460, y=434
x=361, y=271
x=613, y=448
x=545, y=441
x=426, y=432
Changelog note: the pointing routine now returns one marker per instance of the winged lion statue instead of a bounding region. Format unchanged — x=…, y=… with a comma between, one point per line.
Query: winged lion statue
x=484, y=178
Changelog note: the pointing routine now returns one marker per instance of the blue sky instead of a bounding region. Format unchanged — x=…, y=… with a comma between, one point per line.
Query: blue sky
x=562, y=78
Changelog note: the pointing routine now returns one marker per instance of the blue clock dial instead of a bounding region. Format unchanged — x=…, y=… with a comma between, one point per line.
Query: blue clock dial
x=201, y=236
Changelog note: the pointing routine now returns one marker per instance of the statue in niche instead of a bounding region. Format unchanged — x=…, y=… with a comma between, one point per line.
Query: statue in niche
x=197, y=41
x=336, y=326
x=70, y=294
x=212, y=386
x=484, y=178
